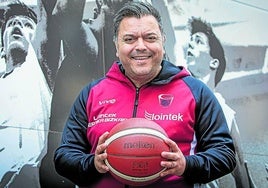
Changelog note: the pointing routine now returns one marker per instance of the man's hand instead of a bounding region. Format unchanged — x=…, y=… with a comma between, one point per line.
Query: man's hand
x=100, y=156
x=175, y=163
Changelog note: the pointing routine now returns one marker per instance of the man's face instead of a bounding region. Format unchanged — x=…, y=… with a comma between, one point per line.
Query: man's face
x=18, y=33
x=140, y=47
x=198, y=57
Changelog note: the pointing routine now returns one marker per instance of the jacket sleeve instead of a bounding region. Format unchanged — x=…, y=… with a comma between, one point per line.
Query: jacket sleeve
x=72, y=158
x=215, y=155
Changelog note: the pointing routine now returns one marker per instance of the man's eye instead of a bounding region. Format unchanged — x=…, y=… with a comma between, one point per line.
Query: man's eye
x=129, y=40
x=151, y=38
x=9, y=24
x=29, y=25
x=199, y=41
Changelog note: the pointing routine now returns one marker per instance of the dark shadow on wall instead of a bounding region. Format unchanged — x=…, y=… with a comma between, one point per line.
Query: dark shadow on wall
x=79, y=67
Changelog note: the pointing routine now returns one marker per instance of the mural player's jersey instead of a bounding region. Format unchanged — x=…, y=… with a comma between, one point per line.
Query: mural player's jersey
x=25, y=100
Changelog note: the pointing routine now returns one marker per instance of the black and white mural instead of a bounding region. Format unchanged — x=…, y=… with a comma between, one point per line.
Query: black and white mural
x=51, y=48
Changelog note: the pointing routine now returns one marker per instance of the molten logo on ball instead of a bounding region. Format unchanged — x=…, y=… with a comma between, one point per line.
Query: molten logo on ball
x=139, y=144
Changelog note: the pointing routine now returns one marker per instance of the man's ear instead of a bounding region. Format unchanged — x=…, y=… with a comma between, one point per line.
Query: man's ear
x=116, y=48
x=3, y=53
x=164, y=38
x=214, y=64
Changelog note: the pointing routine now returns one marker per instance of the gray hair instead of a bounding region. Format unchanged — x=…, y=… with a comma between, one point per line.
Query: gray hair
x=136, y=9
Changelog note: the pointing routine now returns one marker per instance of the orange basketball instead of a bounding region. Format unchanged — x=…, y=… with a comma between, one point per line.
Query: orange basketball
x=134, y=151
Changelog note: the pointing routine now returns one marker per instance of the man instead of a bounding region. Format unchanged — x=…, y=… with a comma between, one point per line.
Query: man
x=206, y=61
x=25, y=96
x=201, y=147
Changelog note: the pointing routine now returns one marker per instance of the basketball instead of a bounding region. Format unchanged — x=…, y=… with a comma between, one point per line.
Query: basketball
x=134, y=149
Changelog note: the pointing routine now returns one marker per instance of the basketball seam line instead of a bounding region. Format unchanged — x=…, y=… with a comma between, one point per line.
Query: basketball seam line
x=135, y=131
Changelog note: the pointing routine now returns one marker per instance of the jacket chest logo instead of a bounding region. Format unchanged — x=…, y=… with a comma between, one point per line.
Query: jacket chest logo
x=165, y=100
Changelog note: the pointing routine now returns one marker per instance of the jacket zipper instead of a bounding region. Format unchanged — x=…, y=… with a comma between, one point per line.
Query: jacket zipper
x=136, y=102
x=135, y=110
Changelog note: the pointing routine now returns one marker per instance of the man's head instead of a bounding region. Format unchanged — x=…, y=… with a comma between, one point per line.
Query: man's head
x=139, y=39
x=18, y=29
x=205, y=52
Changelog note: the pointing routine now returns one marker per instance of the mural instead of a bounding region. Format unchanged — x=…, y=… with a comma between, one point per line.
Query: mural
x=51, y=49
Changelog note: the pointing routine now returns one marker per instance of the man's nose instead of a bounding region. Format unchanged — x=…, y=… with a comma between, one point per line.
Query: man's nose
x=190, y=45
x=140, y=44
x=17, y=21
